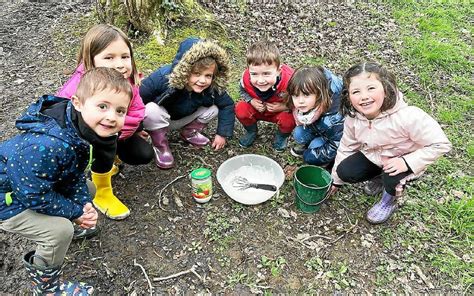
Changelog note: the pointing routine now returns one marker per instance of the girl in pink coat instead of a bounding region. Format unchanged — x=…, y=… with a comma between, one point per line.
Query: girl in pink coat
x=383, y=136
x=107, y=46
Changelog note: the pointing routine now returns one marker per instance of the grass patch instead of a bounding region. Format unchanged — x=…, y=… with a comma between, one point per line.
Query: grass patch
x=437, y=42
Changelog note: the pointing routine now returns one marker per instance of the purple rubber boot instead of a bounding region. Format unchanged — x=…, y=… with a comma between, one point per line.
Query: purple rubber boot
x=382, y=210
x=163, y=157
x=191, y=133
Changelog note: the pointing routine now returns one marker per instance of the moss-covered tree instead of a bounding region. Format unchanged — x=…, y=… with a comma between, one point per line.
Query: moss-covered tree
x=146, y=16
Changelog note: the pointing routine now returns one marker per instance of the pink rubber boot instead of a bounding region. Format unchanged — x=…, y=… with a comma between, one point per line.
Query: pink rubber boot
x=191, y=133
x=163, y=157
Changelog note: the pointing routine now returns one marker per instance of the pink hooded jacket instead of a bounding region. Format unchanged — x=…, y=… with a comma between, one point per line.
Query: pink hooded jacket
x=401, y=131
x=136, y=110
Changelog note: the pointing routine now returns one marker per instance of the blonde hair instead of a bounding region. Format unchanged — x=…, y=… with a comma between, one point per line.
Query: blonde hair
x=102, y=78
x=263, y=52
x=96, y=40
x=309, y=81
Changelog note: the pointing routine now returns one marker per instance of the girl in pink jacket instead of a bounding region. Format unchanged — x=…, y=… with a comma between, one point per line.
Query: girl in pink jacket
x=107, y=46
x=383, y=136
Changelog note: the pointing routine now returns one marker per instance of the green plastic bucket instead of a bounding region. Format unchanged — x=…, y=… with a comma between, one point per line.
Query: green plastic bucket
x=312, y=185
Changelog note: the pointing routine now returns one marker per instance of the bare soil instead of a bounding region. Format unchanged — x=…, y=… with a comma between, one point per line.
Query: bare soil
x=225, y=241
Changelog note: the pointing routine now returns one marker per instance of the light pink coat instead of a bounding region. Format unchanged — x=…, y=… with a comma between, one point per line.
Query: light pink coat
x=136, y=110
x=403, y=130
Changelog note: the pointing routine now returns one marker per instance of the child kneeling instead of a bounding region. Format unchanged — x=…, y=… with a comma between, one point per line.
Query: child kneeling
x=42, y=172
x=383, y=136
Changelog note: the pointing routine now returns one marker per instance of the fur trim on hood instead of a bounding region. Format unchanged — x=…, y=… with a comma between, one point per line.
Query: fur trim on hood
x=186, y=57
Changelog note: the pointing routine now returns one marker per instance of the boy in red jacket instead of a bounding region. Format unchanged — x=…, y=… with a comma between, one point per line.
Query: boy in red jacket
x=261, y=88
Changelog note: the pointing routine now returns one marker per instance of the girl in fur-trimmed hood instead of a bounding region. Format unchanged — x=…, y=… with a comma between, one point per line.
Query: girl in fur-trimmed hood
x=187, y=94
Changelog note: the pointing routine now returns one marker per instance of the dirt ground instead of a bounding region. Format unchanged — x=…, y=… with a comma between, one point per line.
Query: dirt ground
x=235, y=249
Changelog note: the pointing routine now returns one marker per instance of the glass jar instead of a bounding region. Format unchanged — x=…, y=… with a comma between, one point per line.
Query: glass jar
x=201, y=183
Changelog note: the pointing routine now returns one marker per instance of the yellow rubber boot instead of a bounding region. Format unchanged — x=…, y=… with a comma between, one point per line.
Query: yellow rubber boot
x=105, y=200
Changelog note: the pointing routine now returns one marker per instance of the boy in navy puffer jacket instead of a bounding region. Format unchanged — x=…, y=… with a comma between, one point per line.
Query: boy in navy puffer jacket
x=42, y=180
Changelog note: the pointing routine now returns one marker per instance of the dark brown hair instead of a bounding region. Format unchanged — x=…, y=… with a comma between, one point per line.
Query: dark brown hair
x=96, y=40
x=99, y=79
x=263, y=52
x=309, y=80
x=387, y=79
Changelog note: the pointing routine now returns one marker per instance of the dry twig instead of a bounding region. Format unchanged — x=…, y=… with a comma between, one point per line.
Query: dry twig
x=191, y=270
x=146, y=275
x=163, y=189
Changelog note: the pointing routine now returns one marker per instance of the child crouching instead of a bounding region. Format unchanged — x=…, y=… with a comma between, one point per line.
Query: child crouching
x=314, y=95
x=42, y=180
x=383, y=136
x=186, y=96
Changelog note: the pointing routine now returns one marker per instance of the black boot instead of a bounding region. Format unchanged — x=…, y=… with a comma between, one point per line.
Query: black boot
x=45, y=279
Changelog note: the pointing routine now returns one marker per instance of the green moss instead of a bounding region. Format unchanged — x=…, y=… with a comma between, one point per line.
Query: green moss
x=312, y=61
x=151, y=55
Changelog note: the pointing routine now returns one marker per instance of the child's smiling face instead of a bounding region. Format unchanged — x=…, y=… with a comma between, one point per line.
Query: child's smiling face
x=367, y=94
x=264, y=76
x=104, y=112
x=199, y=80
x=116, y=56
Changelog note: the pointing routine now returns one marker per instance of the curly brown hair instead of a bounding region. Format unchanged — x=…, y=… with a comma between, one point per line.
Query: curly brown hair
x=309, y=80
x=387, y=79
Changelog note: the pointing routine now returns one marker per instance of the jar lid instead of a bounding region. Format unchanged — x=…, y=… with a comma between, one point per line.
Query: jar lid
x=201, y=173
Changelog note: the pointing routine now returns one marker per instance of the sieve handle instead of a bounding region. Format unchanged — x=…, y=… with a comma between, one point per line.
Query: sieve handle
x=265, y=187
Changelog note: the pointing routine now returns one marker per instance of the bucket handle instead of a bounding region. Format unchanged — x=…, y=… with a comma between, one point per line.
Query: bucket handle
x=326, y=196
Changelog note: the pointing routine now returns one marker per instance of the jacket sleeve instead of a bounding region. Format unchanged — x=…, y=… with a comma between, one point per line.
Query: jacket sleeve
x=244, y=94
x=154, y=86
x=226, y=115
x=348, y=146
x=33, y=177
x=334, y=124
x=427, y=133
x=78, y=191
x=135, y=115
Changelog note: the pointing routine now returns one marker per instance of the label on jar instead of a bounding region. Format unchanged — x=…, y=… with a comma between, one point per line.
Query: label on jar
x=201, y=183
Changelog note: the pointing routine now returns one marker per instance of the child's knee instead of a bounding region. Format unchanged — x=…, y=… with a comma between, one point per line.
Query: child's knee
x=209, y=114
x=243, y=110
x=345, y=174
x=286, y=122
x=299, y=134
x=62, y=232
x=155, y=117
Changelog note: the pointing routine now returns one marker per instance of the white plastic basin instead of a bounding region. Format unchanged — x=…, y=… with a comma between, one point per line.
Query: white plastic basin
x=257, y=169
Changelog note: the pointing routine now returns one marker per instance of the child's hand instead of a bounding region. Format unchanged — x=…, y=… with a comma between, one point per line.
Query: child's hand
x=219, y=142
x=258, y=105
x=276, y=107
x=394, y=166
x=333, y=190
x=88, y=218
